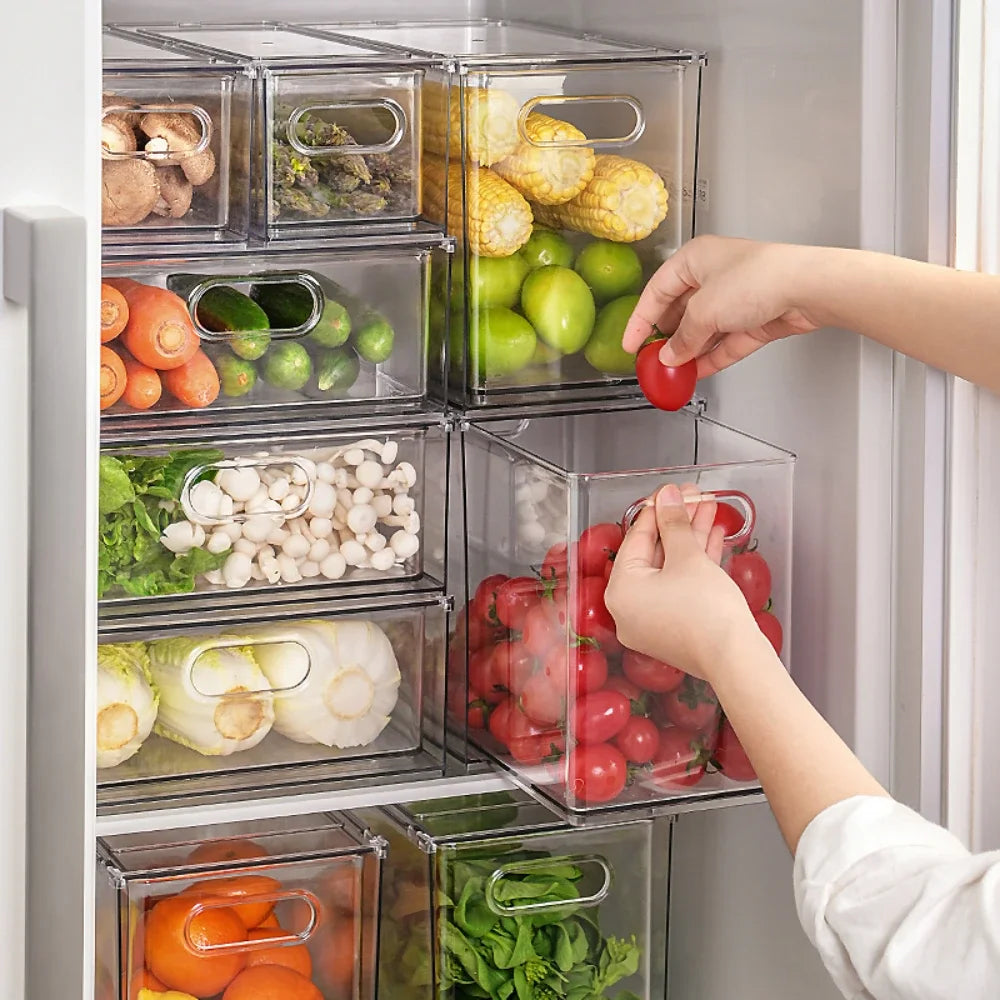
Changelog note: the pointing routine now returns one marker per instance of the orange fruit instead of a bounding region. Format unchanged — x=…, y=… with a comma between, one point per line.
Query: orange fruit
x=336, y=959
x=144, y=980
x=238, y=887
x=338, y=888
x=293, y=956
x=170, y=958
x=269, y=921
x=226, y=850
x=271, y=982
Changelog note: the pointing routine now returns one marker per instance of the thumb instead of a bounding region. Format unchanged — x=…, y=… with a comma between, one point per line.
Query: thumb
x=673, y=522
x=693, y=334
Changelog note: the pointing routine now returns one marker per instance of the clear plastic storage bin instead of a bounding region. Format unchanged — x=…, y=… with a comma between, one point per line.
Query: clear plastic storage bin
x=175, y=145
x=232, y=704
x=566, y=164
x=315, y=96
x=494, y=894
x=268, y=908
x=343, y=329
x=231, y=521
x=551, y=693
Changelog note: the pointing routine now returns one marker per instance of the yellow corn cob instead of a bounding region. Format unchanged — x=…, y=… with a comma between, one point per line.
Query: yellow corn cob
x=490, y=122
x=498, y=218
x=624, y=201
x=547, y=173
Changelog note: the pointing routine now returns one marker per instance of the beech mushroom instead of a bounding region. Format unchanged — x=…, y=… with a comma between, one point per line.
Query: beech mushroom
x=175, y=193
x=181, y=135
x=129, y=191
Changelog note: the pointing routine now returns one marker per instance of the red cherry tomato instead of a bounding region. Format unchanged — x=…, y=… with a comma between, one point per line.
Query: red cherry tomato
x=680, y=758
x=555, y=565
x=771, y=627
x=483, y=603
x=542, y=701
x=595, y=772
x=692, y=706
x=600, y=716
x=639, y=740
x=731, y=758
x=597, y=546
x=752, y=576
x=666, y=388
x=590, y=617
x=514, y=598
x=481, y=634
x=649, y=673
x=542, y=632
x=608, y=567
x=500, y=719
x=530, y=743
x=729, y=518
x=631, y=691
x=511, y=665
x=581, y=669
x=481, y=674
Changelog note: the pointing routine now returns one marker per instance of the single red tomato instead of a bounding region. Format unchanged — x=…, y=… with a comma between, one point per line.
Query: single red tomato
x=514, y=598
x=500, y=719
x=482, y=634
x=481, y=674
x=752, y=576
x=542, y=632
x=639, y=740
x=608, y=569
x=581, y=668
x=729, y=518
x=590, y=617
x=600, y=716
x=595, y=772
x=633, y=692
x=665, y=387
x=680, y=758
x=649, y=673
x=483, y=603
x=597, y=546
x=555, y=565
x=542, y=701
x=771, y=627
x=731, y=758
x=530, y=743
x=511, y=665
x=693, y=705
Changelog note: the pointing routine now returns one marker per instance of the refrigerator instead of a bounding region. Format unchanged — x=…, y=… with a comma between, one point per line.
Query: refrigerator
x=861, y=124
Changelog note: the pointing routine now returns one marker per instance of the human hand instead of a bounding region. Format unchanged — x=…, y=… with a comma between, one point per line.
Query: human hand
x=669, y=596
x=721, y=299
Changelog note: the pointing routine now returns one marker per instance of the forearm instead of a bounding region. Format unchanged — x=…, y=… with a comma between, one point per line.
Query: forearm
x=803, y=765
x=949, y=319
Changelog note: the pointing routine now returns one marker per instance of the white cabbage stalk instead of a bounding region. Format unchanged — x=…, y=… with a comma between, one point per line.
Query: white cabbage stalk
x=335, y=683
x=215, y=701
x=126, y=704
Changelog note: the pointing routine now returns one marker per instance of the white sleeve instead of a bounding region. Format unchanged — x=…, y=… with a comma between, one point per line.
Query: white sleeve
x=896, y=906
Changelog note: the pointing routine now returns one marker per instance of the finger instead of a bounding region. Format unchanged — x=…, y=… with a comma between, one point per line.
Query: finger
x=668, y=284
x=694, y=333
x=731, y=348
x=658, y=556
x=673, y=522
x=639, y=547
x=701, y=523
x=716, y=543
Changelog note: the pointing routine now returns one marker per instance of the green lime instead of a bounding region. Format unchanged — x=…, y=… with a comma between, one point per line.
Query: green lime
x=250, y=345
x=337, y=369
x=236, y=376
x=374, y=339
x=604, y=349
x=495, y=281
x=287, y=365
x=501, y=342
x=546, y=246
x=560, y=306
x=611, y=269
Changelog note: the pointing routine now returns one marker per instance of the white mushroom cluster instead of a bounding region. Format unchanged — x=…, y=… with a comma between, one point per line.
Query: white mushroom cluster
x=285, y=519
x=540, y=510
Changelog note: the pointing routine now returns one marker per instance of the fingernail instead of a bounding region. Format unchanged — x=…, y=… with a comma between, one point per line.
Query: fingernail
x=669, y=496
x=667, y=356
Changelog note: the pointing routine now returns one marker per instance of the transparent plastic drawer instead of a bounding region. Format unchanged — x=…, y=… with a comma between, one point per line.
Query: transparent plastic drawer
x=566, y=166
x=338, y=125
x=494, y=894
x=268, y=908
x=550, y=692
x=345, y=329
x=325, y=693
x=229, y=522
x=175, y=146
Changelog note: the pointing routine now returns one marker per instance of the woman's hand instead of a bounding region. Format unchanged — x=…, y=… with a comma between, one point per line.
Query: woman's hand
x=668, y=595
x=721, y=299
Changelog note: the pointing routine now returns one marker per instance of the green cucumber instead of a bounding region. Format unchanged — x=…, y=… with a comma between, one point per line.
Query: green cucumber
x=289, y=305
x=374, y=338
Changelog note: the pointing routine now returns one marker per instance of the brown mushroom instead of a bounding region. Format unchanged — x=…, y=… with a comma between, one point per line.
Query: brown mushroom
x=118, y=102
x=181, y=133
x=117, y=136
x=129, y=191
x=175, y=193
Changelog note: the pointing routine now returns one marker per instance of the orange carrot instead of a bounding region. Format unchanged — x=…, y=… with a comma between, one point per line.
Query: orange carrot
x=142, y=390
x=121, y=284
x=112, y=378
x=114, y=312
x=194, y=384
x=159, y=331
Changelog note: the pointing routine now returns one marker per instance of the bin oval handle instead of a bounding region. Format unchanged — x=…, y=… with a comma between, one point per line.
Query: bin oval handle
x=632, y=103
x=526, y=867
x=197, y=112
x=740, y=500
x=394, y=108
x=210, y=902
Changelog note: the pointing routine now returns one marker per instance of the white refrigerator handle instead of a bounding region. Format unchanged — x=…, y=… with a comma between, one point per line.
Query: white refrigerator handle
x=45, y=271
